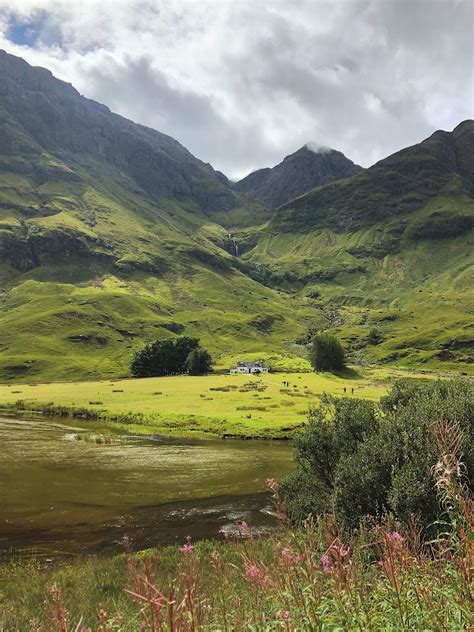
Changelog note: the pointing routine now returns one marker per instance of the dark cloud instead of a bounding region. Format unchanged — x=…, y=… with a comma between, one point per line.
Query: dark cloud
x=242, y=84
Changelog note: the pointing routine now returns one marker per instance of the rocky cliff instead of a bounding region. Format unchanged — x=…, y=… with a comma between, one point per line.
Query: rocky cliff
x=297, y=174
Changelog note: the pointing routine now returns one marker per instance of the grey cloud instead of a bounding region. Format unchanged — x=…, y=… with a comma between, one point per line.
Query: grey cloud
x=243, y=84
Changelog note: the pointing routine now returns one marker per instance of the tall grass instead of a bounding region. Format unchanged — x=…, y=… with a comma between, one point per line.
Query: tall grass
x=381, y=576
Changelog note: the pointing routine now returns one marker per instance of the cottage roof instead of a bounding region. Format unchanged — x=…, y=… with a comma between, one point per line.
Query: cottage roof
x=252, y=364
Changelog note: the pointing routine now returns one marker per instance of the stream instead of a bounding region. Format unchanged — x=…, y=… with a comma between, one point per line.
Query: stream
x=65, y=493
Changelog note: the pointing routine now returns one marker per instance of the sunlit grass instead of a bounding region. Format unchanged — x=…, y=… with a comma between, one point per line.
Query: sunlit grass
x=216, y=404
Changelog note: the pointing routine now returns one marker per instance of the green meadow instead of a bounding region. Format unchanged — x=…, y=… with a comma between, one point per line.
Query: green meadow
x=211, y=405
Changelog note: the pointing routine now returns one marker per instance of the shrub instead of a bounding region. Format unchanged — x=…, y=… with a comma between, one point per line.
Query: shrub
x=360, y=458
x=327, y=353
x=374, y=336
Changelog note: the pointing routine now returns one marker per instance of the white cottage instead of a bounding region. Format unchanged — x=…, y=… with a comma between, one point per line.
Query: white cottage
x=253, y=366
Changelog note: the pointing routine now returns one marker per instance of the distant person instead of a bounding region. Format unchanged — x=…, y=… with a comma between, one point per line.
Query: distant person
x=352, y=391
x=345, y=389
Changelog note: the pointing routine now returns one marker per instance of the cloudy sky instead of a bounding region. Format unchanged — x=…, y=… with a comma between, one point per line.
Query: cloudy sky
x=242, y=83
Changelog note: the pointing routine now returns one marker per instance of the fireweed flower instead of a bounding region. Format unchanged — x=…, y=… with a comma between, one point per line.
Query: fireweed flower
x=395, y=536
x=243, y=528
x=253, y=571
x=187, y=548
x=339, y=549
x=272, y=485
x=326, y=563
x=257, y=574
x=286, y=614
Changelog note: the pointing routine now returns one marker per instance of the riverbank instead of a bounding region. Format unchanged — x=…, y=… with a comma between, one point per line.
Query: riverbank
x=323, y=579
x=272, y=406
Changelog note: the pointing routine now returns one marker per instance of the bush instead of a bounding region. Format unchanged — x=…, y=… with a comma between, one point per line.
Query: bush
x=198, y=361
x=361, y=458
x=327, y=353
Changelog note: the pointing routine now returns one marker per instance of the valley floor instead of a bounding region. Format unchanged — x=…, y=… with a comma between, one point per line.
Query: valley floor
x=223, y=405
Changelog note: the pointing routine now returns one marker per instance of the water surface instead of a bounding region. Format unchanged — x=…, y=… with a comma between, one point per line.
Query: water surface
x=63, y=496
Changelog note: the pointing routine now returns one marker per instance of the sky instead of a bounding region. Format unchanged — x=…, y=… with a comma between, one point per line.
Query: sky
x=243, y=83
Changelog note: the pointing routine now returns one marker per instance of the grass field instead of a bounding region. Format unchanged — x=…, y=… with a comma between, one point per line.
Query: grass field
x=219, y=404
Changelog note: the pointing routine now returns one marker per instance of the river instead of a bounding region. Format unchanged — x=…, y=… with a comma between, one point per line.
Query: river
x=64, y=493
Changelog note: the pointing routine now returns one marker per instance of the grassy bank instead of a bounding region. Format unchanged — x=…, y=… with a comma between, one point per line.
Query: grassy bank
x=379, y=578
x=272, y=405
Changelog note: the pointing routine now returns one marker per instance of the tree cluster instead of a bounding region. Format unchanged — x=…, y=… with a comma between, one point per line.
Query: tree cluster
x=171, y=357
x=360, y=458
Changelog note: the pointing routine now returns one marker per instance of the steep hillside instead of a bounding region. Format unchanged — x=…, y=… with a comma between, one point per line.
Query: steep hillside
x=108, y=239
x=390, y=249
x=112, y=234
x=297, y=174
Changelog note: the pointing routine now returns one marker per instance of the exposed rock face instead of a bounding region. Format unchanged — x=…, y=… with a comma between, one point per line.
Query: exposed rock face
x=39, y=112
x=297, y=174
x=25, y=250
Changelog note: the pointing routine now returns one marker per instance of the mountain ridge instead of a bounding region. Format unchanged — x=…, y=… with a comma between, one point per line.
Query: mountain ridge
x=295, y=175
x=98, y=256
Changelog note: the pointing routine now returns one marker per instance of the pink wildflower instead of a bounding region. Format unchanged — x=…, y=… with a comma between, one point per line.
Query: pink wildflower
x=272, y=485
x=286, y=614
x=257, y=574
x=339, y=549
x=187, y=548
x=326, y=563
x=395, y=536
x=253, y=571
x=243, y=528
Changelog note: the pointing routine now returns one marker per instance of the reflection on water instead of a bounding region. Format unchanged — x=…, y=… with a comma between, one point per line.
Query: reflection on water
x=62, y=495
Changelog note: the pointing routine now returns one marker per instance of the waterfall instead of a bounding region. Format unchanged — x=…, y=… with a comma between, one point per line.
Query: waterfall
x=236, y=248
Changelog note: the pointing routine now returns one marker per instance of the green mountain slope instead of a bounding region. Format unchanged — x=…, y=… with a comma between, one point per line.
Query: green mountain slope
x=391, y=249
x=112, y=235
x=108, y=239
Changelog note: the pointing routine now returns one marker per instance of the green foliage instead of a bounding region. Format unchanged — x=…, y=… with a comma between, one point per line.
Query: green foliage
x=360, y=458
x=163, y=357
x=327, y=353
x=199, y=361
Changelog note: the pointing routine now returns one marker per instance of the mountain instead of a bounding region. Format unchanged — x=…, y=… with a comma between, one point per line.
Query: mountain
x=298, y=173
x=113, y=235
x=109, y=237
x=427, y=175
x=390, y=249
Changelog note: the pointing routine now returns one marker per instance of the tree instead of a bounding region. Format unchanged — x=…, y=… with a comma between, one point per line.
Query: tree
x=198, y=361
x=182, y=348
x=327, y=353
x=163, y=357
x=359, y=458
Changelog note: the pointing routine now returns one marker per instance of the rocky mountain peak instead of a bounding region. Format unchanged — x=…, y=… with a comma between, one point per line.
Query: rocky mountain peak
x=310, y=166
